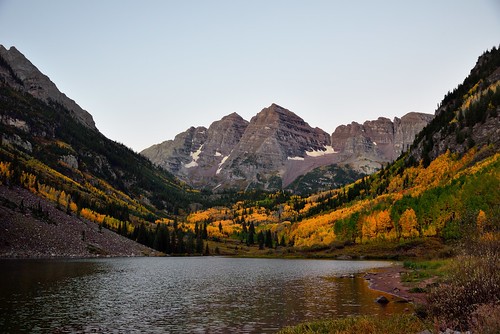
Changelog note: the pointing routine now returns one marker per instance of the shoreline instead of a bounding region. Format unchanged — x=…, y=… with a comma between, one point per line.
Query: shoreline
x=388, y=280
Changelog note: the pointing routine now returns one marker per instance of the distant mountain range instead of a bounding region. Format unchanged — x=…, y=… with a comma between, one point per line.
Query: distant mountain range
x=277, y=147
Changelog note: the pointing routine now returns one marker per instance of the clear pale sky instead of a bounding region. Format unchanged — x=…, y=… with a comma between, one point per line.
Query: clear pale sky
x=147, y=70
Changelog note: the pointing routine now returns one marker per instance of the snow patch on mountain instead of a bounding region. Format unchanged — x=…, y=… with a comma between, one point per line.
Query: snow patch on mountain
x=320, y=153
x=195, y=156
x=220, y=165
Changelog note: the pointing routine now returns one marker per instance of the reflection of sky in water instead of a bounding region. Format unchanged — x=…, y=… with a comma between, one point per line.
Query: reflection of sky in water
x=181, y=294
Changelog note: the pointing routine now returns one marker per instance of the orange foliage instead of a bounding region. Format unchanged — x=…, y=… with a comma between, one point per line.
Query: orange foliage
x=440, y=170
x=93, y=216
x=5, y=171
x=408, y=222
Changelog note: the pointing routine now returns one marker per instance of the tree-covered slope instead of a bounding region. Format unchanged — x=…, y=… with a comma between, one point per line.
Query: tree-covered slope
x=446, y=187
x=47, y=151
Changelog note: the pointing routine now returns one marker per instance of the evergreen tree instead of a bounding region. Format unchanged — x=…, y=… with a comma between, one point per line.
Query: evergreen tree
x=162, y=239
x=283, y=241
x=260, y=240
x=173, y=242
x=268, y=239
x=244, y=230
x=199, y=244
x=190, y=244
x=142, y=236
x=205, y=232
x=251, y=233
x=181, y=247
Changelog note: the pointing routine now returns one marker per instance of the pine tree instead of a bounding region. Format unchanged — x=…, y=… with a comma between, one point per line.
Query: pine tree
x=199, y=244
x=283, y=241
x=251, y=233
x=205, y=232
x=260, y=240
x=268, y=239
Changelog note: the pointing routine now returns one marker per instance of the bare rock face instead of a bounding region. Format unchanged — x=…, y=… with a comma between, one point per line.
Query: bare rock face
x=174, y=155
x=20, y=73
x=273, y=137
x=366, y=147
x=406, y=129
x=195, y=155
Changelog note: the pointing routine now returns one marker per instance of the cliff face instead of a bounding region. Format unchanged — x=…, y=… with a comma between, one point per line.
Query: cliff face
x=277, y=146
x=274, y=136
x=369, y=145
x=196, y=154
x=18, y=72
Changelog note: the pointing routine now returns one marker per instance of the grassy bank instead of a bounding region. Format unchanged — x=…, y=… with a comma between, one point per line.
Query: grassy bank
x=397, y=324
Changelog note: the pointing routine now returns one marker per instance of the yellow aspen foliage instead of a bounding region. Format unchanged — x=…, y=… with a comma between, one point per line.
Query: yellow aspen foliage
x=384, y=222
x=408, y=222
x=213, y=232
x=5, y=171
x=481, y=221
x=92, y=215
x=166, y=221
x=73, y=207
x=28, y=181
x=63, y=199
x=366, y=230
x=430, y=231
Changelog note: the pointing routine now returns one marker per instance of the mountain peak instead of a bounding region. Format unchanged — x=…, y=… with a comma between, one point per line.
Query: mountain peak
x=275, y=114
x=17, y=71
x=233, y=116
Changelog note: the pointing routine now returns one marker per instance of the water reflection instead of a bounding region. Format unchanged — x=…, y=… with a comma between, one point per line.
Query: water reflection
x=170, y=295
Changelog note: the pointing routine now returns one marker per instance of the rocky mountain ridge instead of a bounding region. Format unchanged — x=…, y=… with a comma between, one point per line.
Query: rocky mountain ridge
x=468, y=116
x=19, y=73
x=47, y=135
x=277, y=146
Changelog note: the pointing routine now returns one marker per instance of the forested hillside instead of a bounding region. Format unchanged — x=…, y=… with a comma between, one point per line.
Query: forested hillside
x=446, y=187
x=44, y=149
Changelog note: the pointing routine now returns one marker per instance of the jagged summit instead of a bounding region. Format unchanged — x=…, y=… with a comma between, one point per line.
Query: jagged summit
x=233, y=116
x=18, y=72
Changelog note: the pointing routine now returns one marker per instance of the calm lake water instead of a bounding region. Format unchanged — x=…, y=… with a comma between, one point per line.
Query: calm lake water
x=180, y=295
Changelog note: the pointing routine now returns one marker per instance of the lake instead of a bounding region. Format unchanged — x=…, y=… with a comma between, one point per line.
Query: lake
x=180, y=295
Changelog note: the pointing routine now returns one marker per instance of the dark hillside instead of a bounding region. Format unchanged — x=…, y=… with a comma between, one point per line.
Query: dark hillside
x=468, y=116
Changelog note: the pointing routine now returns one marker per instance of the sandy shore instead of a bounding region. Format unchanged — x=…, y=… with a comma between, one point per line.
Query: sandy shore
x=389, y=280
